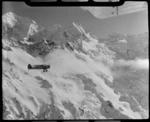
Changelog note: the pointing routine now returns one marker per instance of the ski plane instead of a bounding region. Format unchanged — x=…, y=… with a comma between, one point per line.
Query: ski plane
x=44, y=67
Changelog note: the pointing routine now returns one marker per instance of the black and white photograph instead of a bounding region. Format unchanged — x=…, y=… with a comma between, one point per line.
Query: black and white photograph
x=75, y=62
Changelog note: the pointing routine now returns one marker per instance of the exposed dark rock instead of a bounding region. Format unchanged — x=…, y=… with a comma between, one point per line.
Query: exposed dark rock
x=6, y=112
x=80, y=57
x=108, y=103
x=39, y=78
x=44, y=83
x=71, y=108
x=144, y=102
x=38, y=49
x=89, y=85
x=51, y=44
x=7, y=48
x=32, y=99
x=81, y=111
x=68, y=46
x=86, y=80
x=133, y=104
x=56, y=113
x=49, y=111
x=29, y=114
x=44, y=111
x=18, y=106
x=105, y=78
x=109, y=111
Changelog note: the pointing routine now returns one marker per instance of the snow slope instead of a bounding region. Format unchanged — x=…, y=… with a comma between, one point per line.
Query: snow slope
x=63, y=90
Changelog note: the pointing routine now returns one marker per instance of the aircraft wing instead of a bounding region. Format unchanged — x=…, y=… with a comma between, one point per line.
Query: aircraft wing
x=37, y=66
x=126, y=8
x=131, y=7
x=40, y=66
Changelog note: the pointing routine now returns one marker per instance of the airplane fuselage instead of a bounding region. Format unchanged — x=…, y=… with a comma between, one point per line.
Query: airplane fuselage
x=44, y=67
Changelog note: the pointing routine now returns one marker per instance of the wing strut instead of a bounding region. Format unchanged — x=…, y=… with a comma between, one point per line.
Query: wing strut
x=117, y=10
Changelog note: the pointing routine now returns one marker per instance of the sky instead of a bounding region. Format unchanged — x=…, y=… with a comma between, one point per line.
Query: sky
x=134, y=23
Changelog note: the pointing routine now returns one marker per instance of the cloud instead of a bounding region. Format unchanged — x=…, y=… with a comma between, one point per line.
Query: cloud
x=126, y=8
x=137, y=63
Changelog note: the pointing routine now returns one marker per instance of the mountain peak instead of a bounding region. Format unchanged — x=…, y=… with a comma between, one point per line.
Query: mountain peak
x=9, y=19
x=33, y=28
x=79, y=27
x=9, y=14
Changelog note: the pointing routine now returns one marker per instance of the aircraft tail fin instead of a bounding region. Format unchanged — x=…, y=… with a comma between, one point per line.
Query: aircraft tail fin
x=29, y=66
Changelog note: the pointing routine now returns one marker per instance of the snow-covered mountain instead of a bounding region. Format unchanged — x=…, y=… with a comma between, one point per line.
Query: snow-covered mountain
x=80, y=83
